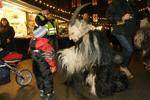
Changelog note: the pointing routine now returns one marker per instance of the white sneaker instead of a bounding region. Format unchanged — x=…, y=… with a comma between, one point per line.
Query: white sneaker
x=41, y=93
x=127, y=72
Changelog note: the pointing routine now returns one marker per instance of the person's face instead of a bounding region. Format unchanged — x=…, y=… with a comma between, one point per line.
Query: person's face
x=85, y=16
x=50, y=16
x=143, y=22
x=45, y=12
x=4, y=22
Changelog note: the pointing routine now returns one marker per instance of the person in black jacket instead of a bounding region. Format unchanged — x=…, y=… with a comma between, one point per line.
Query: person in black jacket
x=40, y=19
x=7, y=34
x=123, y=15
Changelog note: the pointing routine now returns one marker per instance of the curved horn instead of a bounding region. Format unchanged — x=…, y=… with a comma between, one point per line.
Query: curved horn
x=72, y=20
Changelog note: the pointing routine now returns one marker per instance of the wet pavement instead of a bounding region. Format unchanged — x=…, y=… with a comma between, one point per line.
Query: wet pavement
x=139, y=88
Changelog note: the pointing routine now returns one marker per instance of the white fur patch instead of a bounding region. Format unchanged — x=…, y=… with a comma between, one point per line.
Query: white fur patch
x=79, y=29
x=138, y=39
x=76, y=59
x=91, y=81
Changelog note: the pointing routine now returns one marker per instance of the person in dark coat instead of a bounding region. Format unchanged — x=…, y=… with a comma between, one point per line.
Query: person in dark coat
x=123, y=15
x=7, y=34
x=40, y=19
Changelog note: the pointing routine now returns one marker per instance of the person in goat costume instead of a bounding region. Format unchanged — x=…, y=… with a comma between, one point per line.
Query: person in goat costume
x=90, y=61
x=142, y=41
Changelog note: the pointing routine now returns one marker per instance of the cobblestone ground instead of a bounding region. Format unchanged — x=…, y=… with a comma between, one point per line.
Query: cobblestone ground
x=139, y=88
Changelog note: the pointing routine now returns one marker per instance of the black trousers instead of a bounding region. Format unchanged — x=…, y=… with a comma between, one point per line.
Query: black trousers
x=43, y=75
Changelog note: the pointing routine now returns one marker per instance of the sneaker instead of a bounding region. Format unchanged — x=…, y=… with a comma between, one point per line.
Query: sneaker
x=41, y=93
x=126, y=71
x=49, y=96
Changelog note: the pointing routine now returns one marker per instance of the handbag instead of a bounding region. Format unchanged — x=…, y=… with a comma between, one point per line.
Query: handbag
x=40, y=32
x=4, y=74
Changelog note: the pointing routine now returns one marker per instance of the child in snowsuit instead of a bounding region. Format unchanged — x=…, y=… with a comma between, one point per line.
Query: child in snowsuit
x=44, y=64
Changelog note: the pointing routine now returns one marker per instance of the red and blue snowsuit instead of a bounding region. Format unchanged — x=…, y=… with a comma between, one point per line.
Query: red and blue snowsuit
x=44, y=63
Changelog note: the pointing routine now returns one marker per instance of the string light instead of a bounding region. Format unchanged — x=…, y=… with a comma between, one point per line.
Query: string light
x=70, y=13
x=40, y=1
x=143, y=9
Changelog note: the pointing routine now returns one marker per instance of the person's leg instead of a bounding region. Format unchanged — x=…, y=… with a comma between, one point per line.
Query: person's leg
x=47, y=77
x=39, y=80
x=127, y=53
x=45, y=74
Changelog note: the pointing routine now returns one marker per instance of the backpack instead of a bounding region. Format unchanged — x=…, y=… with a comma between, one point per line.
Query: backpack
x=4, y=74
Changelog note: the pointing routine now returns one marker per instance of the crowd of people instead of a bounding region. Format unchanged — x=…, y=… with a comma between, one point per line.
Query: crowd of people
x=122, y=14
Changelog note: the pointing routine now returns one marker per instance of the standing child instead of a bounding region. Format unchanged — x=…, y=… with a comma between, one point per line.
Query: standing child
x=43, y=60
x=44, y=64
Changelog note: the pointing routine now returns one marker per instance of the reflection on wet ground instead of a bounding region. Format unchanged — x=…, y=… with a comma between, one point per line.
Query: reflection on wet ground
x=139, y=88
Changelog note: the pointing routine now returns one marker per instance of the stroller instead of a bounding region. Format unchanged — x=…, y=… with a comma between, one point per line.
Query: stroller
x=8, y=63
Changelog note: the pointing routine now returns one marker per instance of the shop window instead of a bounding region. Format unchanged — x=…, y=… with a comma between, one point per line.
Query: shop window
x=17, y=19
x=95, y=17
x=94, y=2
x=62, y=29
x=109, y=1
x=1, y=5
x=78, y=3
x=73, y=3
x=31, y=23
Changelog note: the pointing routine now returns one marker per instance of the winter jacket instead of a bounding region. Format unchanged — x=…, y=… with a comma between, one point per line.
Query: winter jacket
x=115, y=12
x=43, y=46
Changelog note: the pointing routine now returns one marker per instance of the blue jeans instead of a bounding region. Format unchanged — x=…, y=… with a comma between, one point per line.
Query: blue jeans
x=127, y=49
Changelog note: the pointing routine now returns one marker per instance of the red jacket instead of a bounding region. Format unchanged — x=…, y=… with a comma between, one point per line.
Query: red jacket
x=44, y=45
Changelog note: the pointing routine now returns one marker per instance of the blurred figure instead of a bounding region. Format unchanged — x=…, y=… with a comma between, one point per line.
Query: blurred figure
x=7, y=34
x=52, y=30
x=142, y=42
x=86, y=18
x=123, y=15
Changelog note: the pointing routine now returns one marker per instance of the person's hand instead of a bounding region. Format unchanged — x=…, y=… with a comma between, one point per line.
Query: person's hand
x=8, y=40
x=127, y=16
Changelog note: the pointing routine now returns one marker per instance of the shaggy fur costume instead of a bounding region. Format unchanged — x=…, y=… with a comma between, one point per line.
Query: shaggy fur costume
x=142, y=41
x=90, y=62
